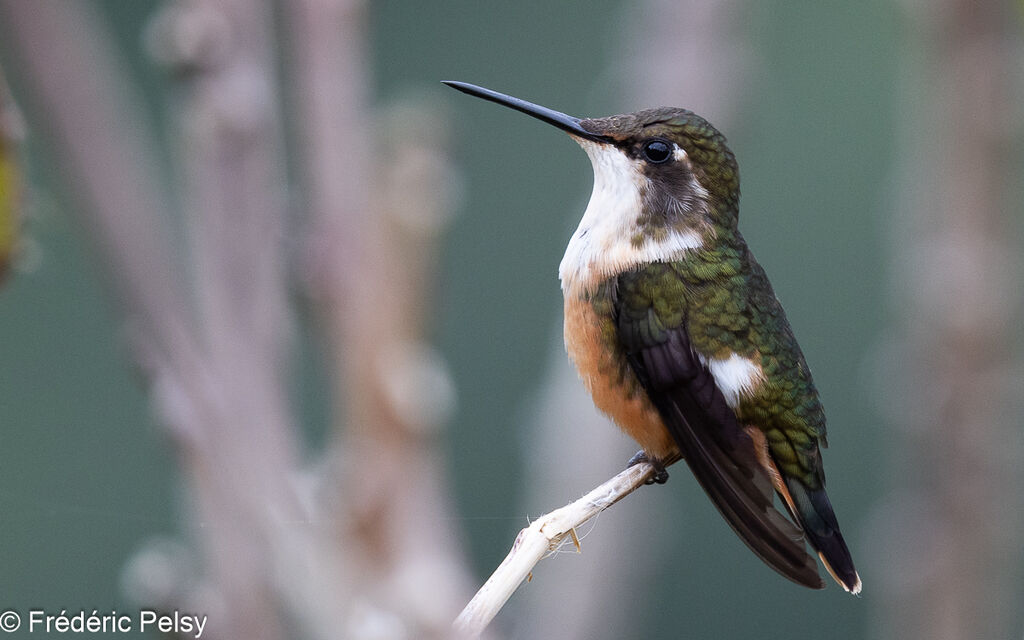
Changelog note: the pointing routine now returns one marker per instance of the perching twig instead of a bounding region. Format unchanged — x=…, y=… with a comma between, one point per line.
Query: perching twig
x=544, y=535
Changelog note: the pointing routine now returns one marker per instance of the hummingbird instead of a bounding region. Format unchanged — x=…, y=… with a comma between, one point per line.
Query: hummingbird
x=680, y=339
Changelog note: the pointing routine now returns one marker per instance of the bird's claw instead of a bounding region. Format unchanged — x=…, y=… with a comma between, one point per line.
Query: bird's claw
x=660, y=476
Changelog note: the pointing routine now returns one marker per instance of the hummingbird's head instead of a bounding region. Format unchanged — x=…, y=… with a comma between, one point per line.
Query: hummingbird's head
x=681, y=164
x=664, y=183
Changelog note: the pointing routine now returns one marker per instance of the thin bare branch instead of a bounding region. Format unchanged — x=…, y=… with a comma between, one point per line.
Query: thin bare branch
x=543, y=536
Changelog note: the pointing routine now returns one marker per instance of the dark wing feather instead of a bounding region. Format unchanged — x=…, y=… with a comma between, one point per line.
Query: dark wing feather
x=720, y=453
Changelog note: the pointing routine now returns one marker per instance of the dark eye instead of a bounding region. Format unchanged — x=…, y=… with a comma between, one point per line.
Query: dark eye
x=657, y=151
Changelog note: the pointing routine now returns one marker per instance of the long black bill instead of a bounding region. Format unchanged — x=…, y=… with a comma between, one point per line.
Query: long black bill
x=562, y=121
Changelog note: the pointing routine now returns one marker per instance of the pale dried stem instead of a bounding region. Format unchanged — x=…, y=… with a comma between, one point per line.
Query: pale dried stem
x=216, y=358
x=215, y=372
x=232, y=157
x=83, y=108
x=542, y=537
x=368, y=273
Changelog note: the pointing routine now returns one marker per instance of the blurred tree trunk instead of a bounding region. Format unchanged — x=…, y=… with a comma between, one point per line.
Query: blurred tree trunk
x=377, y=214
x=953, y=524
x=358, y=542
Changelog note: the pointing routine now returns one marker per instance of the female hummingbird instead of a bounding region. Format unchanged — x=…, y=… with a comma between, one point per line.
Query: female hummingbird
x=679, y=338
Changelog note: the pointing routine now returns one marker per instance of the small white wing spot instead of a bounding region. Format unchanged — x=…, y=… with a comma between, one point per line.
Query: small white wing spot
x=735, y=376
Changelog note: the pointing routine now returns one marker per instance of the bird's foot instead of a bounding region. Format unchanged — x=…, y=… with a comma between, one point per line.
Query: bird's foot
x=660, y=476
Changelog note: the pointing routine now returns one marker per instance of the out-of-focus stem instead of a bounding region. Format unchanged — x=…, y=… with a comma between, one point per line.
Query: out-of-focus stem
x=952, y=527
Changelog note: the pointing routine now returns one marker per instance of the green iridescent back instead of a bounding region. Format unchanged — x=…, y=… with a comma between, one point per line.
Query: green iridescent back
x=733, y=309
x=721, y=298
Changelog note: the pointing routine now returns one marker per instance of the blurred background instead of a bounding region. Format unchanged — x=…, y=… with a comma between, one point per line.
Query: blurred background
x=282, y=324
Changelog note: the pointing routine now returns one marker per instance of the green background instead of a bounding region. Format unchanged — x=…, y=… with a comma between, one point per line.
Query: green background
x=85, y=477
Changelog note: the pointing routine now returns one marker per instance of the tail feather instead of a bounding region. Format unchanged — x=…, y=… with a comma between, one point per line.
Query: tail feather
x=814, y=511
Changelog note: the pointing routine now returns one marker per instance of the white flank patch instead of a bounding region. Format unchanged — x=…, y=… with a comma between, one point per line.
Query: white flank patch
x=735, y=376
x=602, y=244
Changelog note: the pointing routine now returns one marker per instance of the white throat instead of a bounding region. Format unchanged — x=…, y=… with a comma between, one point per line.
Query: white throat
x=602, y=245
